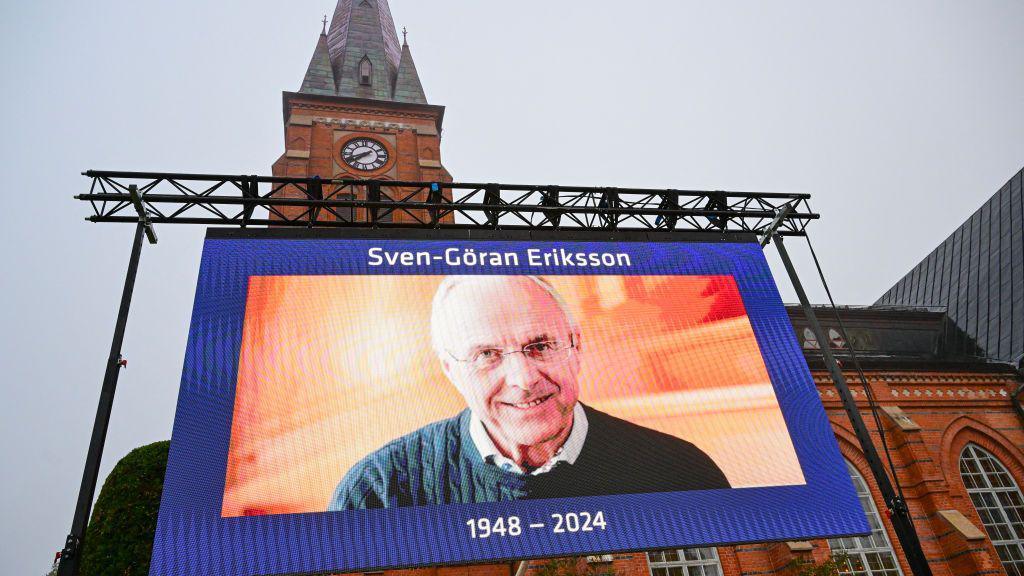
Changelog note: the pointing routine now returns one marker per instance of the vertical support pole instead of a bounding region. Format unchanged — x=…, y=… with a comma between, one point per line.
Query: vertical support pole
x=669, y=201
x=250, y=191
x=720, y=202
x=609, y=199
x=550, y=199
x=373, y=196
x=434, y=198
x=71, y=556
x=492, y=197
x=902, y=524
x=315, y=191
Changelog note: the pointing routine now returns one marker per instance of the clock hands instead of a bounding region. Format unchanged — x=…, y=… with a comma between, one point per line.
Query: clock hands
x=364, y=154
x=356, y=157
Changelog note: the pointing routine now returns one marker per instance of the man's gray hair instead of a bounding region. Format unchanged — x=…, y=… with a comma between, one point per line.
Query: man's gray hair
x=450, y=282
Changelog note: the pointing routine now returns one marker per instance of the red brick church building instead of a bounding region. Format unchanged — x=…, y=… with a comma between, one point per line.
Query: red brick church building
x=948, y=411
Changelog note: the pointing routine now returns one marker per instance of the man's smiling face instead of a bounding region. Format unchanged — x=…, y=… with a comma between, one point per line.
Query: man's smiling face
x=522, y=402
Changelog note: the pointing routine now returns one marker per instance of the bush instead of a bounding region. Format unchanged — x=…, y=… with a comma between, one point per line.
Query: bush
x=119, y=540
x=835, y=566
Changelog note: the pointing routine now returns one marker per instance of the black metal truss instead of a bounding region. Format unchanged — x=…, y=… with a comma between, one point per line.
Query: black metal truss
x=218, y=200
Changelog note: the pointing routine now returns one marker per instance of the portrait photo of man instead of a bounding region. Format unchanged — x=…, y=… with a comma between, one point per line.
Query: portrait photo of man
x=512, y=348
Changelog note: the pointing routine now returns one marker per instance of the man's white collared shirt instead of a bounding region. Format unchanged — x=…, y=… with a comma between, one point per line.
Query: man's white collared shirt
x=568, y=452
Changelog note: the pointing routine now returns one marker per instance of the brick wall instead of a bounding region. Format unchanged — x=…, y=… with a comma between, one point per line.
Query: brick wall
x=313, y=125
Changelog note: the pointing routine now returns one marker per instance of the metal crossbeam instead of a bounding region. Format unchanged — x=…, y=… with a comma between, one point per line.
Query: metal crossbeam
x=146, y=199
x=219, y=200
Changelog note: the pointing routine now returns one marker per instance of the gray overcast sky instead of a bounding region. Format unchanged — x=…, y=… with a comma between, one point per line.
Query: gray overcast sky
x=900, y=118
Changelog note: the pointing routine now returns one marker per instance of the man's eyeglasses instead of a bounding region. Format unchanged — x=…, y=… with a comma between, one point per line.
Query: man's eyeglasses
x=546, y=352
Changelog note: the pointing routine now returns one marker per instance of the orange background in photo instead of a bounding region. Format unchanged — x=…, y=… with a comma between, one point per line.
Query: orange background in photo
x=333, y=367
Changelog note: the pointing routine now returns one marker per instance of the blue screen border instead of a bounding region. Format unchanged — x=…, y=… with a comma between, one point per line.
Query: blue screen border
x=192, y=538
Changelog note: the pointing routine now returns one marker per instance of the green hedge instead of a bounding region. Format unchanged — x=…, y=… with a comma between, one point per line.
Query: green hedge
x=119, y=540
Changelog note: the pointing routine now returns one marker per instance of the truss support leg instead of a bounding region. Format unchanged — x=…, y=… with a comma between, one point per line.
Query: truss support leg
x=902, y=524
x=71, y=556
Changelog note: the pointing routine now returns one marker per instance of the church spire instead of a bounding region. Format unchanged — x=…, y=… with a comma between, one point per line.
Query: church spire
x=408, y=87
x=365, y=56
x=319, y=77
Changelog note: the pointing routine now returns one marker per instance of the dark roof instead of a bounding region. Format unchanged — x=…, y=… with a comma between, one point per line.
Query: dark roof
x=363, y=30
x=319, y=76
x=893, y=337
x=364, y=21
x=977, y=273
x=408, y=87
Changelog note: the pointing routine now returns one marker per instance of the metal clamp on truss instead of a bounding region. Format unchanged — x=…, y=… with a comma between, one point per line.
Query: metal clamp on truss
x=780, y=216
x=140, y=209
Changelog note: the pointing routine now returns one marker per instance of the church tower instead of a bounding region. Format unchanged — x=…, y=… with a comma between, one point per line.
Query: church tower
x=361, y=112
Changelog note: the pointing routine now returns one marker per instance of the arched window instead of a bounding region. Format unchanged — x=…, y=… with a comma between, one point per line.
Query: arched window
x=998, y=501
x=365, y=71
x=867, y=555
x=685, y=562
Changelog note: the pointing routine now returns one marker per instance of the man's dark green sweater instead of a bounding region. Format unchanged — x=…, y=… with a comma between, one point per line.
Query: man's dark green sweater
x=439, y=464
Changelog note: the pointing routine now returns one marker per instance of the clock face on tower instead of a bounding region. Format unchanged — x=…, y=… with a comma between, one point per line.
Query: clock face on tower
x=365, y=154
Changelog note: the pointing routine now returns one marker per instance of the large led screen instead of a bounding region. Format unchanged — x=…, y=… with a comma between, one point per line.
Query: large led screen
x=353, y=404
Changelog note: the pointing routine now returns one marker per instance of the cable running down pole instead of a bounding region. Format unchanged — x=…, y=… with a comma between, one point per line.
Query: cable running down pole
x=902, y=523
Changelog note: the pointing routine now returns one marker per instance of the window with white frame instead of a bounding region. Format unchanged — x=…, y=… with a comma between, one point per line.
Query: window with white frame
x=685, y=562
x=998, y=501
x=867, y=555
